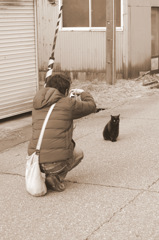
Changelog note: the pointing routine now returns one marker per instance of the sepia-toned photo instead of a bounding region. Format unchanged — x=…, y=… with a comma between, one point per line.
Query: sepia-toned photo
x=79, y=119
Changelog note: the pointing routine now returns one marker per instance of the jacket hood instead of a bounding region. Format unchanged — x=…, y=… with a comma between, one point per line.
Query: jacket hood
x=46, y=97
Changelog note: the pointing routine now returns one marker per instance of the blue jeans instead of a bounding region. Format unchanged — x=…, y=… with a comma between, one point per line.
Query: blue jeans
x=57, y=171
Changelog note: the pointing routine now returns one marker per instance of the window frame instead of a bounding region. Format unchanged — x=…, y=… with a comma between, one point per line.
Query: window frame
x=89, y=29
x=154, y=47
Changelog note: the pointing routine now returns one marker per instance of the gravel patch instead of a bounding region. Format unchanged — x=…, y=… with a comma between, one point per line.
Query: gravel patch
x=107, y=96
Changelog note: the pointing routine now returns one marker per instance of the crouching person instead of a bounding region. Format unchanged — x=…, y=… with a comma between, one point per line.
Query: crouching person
x=59, y=153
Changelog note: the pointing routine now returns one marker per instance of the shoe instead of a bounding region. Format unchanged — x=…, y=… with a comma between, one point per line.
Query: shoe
x=54, y=184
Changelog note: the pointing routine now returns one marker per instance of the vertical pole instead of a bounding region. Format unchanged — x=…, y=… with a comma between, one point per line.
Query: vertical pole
x=52, y=59
x=125, y=39
x=111, y=41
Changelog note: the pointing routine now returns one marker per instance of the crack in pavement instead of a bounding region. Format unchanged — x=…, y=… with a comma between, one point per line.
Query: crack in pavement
x=13, y=174
x=153, y=183
x=97, y=184
x=114, y=214
x=118, y=187
x=141, y=191
x=127, y=204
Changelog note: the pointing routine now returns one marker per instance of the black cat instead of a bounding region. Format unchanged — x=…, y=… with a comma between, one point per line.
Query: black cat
x=111, y=130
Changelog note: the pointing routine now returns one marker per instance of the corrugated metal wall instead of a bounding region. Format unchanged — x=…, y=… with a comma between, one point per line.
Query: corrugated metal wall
x=18, y=57
x=47, y=16
x=85, y=51
x=75, y=50
x=82, y=51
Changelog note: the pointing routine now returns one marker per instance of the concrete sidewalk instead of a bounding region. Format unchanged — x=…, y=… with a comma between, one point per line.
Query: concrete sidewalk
x=15, y=130
x=112, y=195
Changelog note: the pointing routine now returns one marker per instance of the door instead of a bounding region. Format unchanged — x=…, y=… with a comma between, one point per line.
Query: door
x=139, y=42
x=154, y=38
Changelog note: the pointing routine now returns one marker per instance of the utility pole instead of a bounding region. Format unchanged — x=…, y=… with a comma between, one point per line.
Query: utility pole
x=111, y=41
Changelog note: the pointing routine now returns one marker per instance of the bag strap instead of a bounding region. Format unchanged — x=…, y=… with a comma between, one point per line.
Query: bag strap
x=43, y=128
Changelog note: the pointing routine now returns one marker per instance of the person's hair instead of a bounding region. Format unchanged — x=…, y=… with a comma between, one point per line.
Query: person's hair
x=60, y=82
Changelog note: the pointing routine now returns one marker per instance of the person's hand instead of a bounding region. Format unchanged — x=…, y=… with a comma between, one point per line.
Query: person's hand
x=76, y=91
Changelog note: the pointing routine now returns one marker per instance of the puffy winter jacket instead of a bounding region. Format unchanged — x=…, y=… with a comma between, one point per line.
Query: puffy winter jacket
x=57, y=142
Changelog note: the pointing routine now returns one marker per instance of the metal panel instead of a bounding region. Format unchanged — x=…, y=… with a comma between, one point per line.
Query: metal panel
x=18, y=65
x=86, y=51
x=139, y=40
x=75, y=50
x=47, y=16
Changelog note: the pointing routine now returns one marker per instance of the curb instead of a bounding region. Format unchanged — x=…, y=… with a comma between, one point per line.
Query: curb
x=15, y=130
x=15, y=137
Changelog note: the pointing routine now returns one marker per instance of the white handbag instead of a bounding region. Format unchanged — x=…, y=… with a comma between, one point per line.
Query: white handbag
x=34, y=178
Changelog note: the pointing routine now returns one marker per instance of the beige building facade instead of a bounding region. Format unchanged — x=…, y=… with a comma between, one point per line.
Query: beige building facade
x=27, y=30
x=82, y=50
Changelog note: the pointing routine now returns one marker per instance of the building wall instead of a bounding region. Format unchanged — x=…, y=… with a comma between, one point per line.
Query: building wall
x=85, y=51
x=76, y=51
x=139, y=40
x=139, y=36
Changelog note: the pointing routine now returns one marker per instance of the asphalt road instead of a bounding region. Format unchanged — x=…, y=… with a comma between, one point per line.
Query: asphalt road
x=112, y=195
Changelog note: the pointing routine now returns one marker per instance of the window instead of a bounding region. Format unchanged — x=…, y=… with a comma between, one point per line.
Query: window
x=75, y=13
x=155, y=31
x=87, y=13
